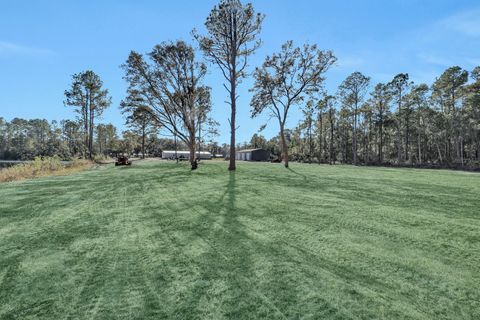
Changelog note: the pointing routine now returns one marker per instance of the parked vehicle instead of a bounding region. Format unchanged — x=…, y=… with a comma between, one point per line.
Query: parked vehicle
x=123, y=161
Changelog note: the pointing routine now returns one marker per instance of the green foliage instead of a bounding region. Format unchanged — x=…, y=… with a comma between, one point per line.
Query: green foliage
x=285, y=80
x=22, y=139
x=399, y=123
x=87, y=95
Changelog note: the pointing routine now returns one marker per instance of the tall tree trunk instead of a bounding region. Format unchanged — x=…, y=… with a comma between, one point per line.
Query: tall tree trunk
x=143, y=142
x=320, y=145
x=331, y=160
x=369, y=138
x=284, y=146
x=232, y=165
x=233, y=97
x=407, y=137
x=399, y=129
x=90, y=143
x=176, y=146
x=380, y=147
x=86, y=123
x=191, y=146
x=199, y=140
x=354, y=138
x=420, y=161
x=461, y=151
x=439, y=153
x=310, y=140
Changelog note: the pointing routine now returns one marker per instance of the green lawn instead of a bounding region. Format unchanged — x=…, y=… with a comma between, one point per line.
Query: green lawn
x=156, y=240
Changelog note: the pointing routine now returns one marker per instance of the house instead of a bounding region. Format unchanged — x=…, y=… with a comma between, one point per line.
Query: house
x=253, y=155
x=168, y=154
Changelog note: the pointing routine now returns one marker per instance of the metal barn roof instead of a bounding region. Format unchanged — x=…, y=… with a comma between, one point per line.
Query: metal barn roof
x=250, y=150
x=188, y=152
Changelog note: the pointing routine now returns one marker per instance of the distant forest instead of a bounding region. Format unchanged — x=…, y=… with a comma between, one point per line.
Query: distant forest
x=396, y=123
x=22, y=139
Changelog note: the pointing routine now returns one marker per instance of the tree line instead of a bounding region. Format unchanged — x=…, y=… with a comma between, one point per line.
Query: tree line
x=394, y=123
x=22, y=139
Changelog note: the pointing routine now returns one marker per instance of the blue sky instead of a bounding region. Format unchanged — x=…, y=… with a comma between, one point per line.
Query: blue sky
x=42, y=43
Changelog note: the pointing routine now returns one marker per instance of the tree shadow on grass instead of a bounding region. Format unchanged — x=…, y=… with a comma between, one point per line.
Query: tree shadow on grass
x=297, y=173
x=224, y=261
x=231, y=257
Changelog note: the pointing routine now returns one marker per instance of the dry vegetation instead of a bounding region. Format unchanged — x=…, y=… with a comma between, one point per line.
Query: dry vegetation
x=40, y=167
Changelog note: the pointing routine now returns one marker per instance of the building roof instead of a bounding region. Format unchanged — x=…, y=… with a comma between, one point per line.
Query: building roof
x=250, y=150
x=183, y=151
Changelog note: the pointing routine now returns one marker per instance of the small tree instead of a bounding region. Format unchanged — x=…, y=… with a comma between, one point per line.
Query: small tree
x=106, y=135
x=142, y=123
x=232, y=30
x=285, y=79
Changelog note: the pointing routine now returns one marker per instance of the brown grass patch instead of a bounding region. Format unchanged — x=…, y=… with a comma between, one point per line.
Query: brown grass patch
x=42, y=167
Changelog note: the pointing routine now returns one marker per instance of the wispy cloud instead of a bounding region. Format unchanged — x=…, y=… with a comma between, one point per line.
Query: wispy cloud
x=466, y=23
x=9, y=48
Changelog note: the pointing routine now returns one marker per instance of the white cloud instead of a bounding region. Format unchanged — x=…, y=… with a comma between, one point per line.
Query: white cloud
x=9, y=48
x=466, y=23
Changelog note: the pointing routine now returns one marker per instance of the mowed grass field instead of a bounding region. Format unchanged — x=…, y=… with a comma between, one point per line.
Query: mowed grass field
x=157, y=241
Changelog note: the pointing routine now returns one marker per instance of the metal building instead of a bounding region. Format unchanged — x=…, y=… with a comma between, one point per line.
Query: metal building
x=168, y=154
x=253, y=155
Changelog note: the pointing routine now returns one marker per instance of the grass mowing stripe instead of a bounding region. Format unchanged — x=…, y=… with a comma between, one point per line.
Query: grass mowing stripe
x=158, y=241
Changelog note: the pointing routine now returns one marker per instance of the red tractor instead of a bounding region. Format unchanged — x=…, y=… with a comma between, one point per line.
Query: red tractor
x=123, y=161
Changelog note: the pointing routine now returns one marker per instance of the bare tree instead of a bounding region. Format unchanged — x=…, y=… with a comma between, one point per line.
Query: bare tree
x=285, y=79
x=232, y=30
x=170, y=88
